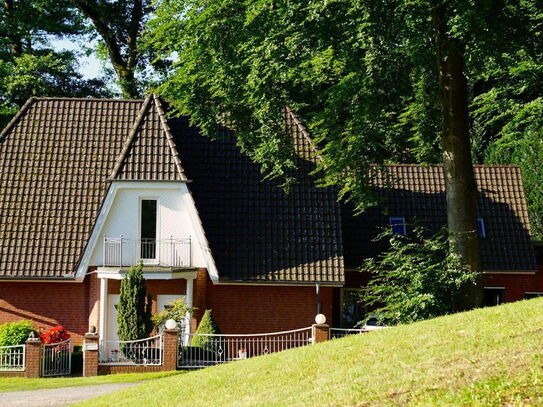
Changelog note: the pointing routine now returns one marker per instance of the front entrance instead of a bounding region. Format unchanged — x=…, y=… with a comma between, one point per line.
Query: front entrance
x=111, y=329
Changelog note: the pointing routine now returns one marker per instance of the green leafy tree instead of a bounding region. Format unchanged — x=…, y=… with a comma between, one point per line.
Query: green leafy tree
x=134, y=307
x=416, y=278
x=207, y=325
x=29, y=66
x=375, y=82
x=118, y=25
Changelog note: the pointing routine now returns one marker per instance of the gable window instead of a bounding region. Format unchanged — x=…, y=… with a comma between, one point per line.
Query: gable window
x=481, y=231
x=148, y=226
x=494, y=296
x=398, y=225
x=530, y=295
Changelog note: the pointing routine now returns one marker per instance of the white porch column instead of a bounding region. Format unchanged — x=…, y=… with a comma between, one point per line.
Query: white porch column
x=103, y=308
x=189, y=294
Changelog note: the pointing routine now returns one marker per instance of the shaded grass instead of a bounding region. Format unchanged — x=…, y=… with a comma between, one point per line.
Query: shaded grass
x=487, y=357
x=8, y=384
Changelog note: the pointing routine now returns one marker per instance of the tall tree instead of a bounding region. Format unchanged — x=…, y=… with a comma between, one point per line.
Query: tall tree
x=119, y=24
x=29, y=66
x=375, y=81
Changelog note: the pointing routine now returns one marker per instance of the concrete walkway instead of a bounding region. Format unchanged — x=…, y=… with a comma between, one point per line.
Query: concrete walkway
x=59, y=397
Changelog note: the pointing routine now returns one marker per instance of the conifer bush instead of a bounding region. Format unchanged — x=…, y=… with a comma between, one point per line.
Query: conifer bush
x=134, y=308
x=206, y=326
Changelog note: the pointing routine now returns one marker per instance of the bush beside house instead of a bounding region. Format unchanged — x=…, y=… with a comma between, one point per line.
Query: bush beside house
x=16, y=333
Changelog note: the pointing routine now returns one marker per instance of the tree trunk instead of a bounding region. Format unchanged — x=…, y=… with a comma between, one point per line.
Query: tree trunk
x=461, y=189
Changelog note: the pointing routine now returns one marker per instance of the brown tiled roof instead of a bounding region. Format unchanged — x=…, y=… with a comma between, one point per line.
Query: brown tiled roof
x=419, y=192
x=256, y=231
x=55, y=159
x=58, y=154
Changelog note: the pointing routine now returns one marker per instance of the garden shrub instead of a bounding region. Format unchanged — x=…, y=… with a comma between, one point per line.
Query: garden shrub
x=16, y=333
x=55, y=335
x=416, y=278
x=177, y=310
x=206, y=326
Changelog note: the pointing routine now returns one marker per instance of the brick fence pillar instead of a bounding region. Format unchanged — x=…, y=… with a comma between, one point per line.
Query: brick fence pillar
x=32, y=357
x=90, y=355
x=170, y=349
x=321, y=332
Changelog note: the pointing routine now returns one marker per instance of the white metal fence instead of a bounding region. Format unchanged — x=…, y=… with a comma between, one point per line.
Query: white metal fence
x=341, y=332
x=202, y=350
x=124, y=252
x=56, y=359
x=12, y=358
x=148, y=351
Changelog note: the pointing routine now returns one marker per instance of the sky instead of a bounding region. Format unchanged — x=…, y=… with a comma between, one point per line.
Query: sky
x=90, y=67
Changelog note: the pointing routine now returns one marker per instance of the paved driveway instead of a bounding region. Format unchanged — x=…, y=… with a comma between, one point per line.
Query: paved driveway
x=58, y=397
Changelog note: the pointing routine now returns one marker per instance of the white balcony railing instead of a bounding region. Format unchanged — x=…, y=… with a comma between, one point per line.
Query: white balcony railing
x=124, y=252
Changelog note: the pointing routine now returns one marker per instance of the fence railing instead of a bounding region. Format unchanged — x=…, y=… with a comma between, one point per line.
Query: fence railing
x=124, y=252
x=12, y=358
x=201, y=350
x=56, y=359
x=341, y=332
x=148, y=351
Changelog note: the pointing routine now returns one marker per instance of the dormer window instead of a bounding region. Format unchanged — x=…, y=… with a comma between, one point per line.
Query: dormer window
x=481, y=232
x=398, y=225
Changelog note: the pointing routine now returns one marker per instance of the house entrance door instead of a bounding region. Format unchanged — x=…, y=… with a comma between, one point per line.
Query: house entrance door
x=111, y=330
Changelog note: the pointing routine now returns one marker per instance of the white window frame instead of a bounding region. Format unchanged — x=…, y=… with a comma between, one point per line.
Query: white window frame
x=156, y=260
x=536, y=293
x=398, y=218
x=497, y=288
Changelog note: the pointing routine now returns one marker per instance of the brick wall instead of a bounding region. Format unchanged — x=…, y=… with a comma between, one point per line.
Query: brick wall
x=256, y=308
x=47, y=304
x=516, y=285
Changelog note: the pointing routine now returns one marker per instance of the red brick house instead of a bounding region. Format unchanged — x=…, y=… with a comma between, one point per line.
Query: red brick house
x=88, y=187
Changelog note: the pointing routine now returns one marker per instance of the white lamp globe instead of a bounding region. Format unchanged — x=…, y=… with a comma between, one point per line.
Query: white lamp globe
x=171, y=324
x=320, y=319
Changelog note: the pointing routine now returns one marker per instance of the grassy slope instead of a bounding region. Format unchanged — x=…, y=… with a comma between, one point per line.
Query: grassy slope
x=20, y=383
x=485, y=357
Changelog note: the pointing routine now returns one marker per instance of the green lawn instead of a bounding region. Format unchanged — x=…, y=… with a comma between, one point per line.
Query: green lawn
x=487, y=357
x=20, y=383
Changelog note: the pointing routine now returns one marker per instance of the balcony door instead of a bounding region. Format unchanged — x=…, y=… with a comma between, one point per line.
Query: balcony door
x=148, y=231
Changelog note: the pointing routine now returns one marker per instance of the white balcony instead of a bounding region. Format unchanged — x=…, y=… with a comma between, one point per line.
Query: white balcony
x=163, y=253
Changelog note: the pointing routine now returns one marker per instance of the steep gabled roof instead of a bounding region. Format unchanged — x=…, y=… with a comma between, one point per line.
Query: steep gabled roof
x=419, y=192
x=59, y=154
x=56, y=156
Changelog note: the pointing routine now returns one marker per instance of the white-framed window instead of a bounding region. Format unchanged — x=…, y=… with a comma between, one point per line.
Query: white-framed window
x=494, y=296
x=532, y=294
x=148, y=232
x=481, y=231
x=397, y=223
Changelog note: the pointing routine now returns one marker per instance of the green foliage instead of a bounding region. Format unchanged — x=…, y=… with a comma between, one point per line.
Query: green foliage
x=177, y=310
x=207, y=325
x=16, y=333
x=361, y=75
x=416, y=278
x=134, y=307
x=29, y=65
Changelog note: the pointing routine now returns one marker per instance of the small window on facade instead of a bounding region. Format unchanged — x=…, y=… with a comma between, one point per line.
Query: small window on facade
x=398, y=225
x=494, y=296
x=530, y=295
x=148, y=226
x=481, y=227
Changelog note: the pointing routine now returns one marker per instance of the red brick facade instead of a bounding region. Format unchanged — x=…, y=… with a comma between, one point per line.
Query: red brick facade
x=237, y=308
x=259, y=308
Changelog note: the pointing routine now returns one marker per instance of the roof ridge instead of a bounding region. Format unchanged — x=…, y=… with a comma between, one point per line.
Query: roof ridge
x=169, y=137
x=16, y=118
x=131, y=137
x=304, y=132
x=91, y=99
